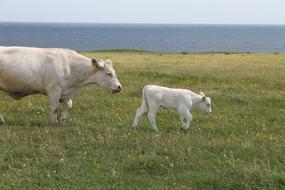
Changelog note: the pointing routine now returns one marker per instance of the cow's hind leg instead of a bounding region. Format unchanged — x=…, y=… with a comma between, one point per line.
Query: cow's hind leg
x=67, y=105
x=54, y=97
x=140, y=111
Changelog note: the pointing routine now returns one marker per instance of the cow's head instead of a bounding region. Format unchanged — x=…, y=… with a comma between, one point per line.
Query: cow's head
x=106, y=76
x=205, y=103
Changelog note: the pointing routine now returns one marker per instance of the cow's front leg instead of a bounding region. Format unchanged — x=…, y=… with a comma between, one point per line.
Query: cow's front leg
x=67, y=105
x=183, y=122
x=54, y=96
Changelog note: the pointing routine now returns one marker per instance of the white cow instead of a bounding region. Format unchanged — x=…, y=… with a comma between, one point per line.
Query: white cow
x=58, y=73
x=181, y=99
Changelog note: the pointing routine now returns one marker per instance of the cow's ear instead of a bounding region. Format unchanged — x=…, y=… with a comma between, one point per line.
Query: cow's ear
x=204, y=99
x=96, y=63
x=202, y=93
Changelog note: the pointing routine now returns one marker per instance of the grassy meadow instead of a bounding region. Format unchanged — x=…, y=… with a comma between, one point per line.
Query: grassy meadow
x=240, y=146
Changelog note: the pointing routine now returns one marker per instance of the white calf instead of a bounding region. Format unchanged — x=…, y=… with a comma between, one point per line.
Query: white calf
x=181, y=99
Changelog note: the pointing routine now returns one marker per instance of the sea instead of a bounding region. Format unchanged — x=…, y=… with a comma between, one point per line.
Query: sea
x=150, y=37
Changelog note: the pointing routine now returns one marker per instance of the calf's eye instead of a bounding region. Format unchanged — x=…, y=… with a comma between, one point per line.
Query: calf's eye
x=109, y=73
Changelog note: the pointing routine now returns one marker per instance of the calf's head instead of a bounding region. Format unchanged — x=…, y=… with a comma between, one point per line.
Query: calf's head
x=106, y=76
x=205, y=104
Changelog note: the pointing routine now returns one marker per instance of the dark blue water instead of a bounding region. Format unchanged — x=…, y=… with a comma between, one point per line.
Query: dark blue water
x=194, y=38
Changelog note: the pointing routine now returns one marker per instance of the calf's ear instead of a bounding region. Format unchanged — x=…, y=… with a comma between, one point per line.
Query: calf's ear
x=96, y=63
x=202, y=93
x=204, y=98
x=109, y=62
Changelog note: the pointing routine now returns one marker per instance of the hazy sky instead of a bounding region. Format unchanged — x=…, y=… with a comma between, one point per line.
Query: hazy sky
x=145, y=11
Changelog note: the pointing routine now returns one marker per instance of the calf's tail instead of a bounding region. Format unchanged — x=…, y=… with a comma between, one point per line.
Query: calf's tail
x=145, y=102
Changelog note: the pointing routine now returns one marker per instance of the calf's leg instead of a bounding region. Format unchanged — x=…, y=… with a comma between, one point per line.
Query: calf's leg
x=140, y=111
x=151, y=116
x=1, y=120
x=189, y=120
x=185, y=114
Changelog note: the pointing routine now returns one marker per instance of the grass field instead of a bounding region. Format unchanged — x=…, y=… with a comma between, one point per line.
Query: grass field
x=240, y=146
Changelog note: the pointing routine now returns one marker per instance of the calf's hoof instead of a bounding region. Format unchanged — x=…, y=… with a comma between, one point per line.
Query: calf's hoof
x=1, y=120
x=183, y=130
x=156, y=130
x=54, y=122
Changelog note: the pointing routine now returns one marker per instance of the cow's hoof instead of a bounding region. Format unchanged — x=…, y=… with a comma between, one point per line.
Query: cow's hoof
x=1, y=120
x=62, y=119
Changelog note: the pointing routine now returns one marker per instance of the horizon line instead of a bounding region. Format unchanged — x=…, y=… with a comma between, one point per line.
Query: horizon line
x=140, y=23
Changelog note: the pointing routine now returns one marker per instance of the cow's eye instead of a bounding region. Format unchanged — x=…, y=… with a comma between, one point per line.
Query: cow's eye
x=208, y=104
x=109, y=73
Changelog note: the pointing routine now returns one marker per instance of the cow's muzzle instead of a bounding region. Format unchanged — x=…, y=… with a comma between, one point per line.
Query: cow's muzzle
x=117, y=90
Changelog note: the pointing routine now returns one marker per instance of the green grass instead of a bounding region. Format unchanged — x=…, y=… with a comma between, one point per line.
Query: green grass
x=240, y=146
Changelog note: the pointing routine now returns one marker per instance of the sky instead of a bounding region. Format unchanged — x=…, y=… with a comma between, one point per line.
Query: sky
x=145, y=11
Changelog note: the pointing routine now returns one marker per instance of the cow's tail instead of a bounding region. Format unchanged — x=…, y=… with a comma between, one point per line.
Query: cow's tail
x=145, y=102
